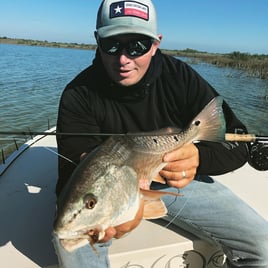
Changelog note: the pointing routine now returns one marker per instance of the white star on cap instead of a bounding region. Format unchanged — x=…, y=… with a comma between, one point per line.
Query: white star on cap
x=117, y=9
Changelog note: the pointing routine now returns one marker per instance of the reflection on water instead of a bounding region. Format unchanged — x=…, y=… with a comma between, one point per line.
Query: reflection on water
x=31, y=82
x=246, y=95
x=32, y=79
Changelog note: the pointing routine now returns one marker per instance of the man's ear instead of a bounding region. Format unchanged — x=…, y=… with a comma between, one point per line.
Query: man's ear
x=156, y=44
x=160, y=36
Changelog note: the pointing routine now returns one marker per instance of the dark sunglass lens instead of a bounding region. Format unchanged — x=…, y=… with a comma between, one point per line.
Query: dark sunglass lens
x=139, y=47
x=109, y=46
x=134, y=48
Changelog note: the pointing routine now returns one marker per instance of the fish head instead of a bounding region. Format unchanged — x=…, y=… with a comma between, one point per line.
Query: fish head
x=78, y=218
x=89, y=209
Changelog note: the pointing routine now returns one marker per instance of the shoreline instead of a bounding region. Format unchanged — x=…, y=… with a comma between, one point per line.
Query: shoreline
x=255, y=65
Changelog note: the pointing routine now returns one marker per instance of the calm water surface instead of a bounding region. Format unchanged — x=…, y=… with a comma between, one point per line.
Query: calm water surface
x=33, y=78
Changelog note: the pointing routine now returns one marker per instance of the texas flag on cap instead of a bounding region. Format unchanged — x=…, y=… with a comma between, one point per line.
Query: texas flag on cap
x=129, y=8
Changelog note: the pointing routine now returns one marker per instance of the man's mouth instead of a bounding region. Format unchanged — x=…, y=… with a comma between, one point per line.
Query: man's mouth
x=124, y=73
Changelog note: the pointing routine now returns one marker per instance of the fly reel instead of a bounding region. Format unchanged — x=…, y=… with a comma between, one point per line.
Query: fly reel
x=258, y=156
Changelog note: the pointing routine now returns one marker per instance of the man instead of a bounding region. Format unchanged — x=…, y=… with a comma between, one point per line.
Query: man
x=132, y=87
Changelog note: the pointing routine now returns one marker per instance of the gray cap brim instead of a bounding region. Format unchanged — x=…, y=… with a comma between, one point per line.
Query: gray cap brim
x=112, y=30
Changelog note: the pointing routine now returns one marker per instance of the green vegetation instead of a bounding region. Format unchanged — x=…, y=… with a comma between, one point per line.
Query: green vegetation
x=28, y=42
x=256, y=65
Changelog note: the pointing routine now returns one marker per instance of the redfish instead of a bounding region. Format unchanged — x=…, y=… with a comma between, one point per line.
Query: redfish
x=104, y=190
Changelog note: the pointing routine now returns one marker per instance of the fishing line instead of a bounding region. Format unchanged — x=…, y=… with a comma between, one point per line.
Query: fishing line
x=182, y=208
x=60, y=155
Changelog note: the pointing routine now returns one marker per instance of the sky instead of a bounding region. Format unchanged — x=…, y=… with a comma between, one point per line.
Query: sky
x=220, y=26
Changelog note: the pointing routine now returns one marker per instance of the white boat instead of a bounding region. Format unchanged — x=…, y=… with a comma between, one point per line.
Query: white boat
x=27, y=202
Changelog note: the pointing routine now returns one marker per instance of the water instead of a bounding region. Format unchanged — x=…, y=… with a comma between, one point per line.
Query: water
x=31, y=82
x=33, y=78
x=247, y=96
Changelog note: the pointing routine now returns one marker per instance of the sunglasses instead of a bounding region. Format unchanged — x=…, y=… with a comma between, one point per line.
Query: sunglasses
x=134, y=48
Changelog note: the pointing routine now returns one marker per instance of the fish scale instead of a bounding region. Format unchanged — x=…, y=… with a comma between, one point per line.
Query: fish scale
x=156, y=144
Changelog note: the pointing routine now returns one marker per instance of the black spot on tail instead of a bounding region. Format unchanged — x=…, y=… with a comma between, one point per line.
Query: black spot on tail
x=197, y=122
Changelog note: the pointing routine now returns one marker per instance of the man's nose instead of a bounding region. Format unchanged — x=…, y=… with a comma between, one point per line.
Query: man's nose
x=123, y=57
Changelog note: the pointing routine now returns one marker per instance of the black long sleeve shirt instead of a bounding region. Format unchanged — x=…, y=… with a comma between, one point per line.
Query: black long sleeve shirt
x=171, y=94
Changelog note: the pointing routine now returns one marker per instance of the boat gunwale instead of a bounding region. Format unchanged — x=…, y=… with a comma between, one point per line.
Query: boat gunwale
x=17, y=153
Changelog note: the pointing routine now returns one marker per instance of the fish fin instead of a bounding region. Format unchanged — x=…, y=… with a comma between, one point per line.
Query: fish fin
x=210, y=122
x=154, y=209
x=154, y=194
x=155, y=174
x=159, y=179
x=162, y=131
x=167, y=130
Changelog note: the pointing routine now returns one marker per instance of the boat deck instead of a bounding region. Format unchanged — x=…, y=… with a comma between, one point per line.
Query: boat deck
x=27, y=203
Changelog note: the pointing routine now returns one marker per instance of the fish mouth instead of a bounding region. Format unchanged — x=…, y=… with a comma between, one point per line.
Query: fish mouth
x=73, y=240
x=84, y=233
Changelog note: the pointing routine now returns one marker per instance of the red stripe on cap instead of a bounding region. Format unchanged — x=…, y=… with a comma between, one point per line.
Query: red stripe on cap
x=136, y=13
x=136, y=9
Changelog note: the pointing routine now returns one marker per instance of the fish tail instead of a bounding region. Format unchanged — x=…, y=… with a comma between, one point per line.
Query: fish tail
x=210, y=122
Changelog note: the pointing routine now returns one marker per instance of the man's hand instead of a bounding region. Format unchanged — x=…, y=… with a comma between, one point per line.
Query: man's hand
x=122, y=229
x=182, y=166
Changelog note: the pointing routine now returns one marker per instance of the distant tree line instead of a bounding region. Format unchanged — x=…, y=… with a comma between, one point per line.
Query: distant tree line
x=45, y=43
x=255, y=65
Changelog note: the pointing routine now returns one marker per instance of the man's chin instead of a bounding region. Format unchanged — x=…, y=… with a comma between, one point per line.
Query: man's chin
x=126, y=81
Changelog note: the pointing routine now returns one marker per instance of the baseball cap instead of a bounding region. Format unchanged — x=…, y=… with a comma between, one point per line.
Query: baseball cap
x=127, y=17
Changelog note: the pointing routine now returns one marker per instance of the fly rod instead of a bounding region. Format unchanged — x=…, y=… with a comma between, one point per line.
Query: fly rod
x=228, y=136
x=246, y=137
x=258, y=148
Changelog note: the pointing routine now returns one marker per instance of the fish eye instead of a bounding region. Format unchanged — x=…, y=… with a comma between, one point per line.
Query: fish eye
x=90, y=201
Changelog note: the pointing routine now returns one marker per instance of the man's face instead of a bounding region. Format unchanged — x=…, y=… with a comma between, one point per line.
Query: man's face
x=123, y=68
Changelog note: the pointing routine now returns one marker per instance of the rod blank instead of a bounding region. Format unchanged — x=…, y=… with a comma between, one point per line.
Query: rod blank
x=228, y=136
